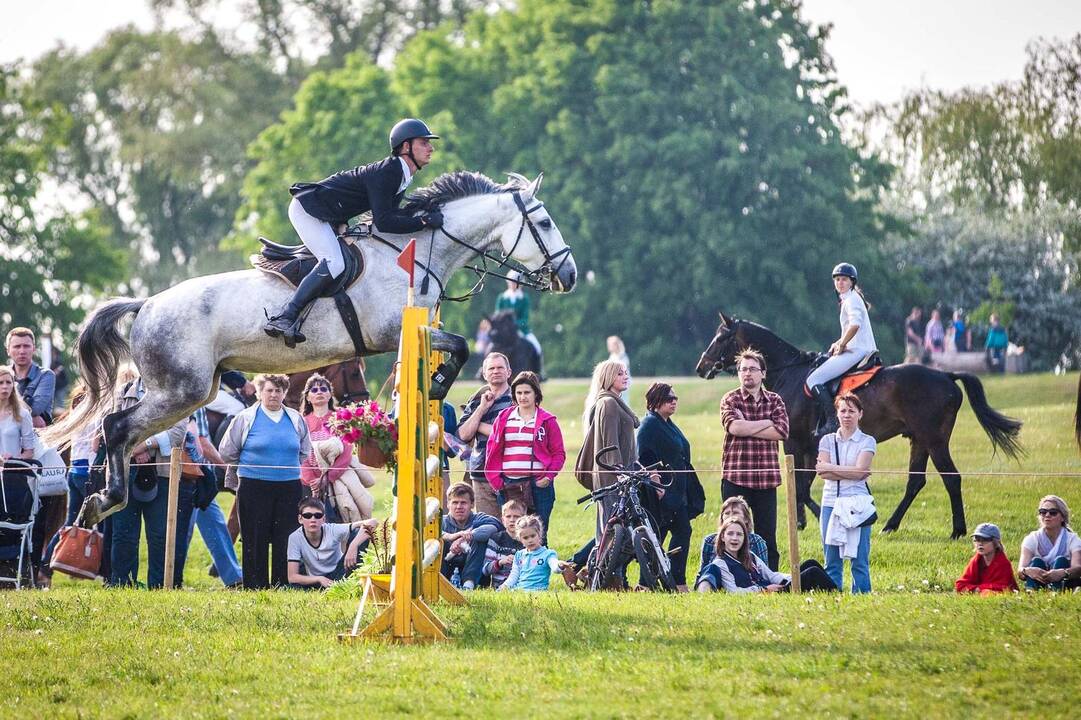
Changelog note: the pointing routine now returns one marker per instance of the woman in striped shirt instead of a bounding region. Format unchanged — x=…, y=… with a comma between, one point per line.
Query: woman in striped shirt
x=525, y=450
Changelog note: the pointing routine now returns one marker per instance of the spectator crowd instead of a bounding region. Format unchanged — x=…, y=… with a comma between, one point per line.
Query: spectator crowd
x=304, y=513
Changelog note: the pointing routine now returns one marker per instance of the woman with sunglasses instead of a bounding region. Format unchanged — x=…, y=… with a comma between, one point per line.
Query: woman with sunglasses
x=660, y=440
x=1051, y=556
x=317, y=404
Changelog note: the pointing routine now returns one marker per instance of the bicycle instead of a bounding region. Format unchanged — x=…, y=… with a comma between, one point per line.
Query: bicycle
x=629, y=532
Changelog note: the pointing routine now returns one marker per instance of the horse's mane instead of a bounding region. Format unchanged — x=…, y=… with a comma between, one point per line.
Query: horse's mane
x=459, y=184
x=797, y=354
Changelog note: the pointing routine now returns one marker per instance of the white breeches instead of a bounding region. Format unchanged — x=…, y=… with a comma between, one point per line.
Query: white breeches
x=835, y=366
x=318, y=236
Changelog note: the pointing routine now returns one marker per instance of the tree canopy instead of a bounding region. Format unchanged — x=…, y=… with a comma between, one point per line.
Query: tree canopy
x=691, y=150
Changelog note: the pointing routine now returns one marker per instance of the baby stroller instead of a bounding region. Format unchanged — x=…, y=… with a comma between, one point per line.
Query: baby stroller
x=18, y=505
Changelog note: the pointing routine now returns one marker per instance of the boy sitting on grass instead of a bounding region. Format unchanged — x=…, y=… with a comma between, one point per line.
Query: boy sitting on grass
x=503, y=545
x=465, y=536
x=315, y=552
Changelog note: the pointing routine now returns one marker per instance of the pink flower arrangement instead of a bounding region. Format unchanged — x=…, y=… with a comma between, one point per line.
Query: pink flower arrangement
x=366, y=423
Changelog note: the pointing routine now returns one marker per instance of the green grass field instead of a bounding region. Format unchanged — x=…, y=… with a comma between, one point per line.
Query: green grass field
x=911, y=649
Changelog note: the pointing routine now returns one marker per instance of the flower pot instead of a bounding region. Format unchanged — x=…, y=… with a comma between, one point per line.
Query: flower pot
x=369, y=454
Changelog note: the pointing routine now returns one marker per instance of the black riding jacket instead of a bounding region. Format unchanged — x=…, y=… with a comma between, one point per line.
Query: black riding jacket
x=349, y=193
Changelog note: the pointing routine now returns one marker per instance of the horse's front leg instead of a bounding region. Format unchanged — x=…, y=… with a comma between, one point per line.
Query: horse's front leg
x=444, y=376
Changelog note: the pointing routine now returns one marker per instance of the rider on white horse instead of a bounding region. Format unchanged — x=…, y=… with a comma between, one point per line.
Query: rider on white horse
x=319, y=208
x=857, y=341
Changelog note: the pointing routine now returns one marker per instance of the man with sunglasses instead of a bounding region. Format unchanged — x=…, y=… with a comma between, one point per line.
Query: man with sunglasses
x=315, y=548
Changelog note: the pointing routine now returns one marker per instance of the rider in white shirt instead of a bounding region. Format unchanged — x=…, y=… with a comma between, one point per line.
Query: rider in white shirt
x=857, y=341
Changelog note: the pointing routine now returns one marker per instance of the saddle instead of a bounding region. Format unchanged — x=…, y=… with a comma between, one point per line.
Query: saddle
x=292, y=263
x=855, y=377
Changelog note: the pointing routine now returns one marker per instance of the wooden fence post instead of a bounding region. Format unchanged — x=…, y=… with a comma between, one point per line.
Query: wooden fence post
x=793, y=530
x=175, y=458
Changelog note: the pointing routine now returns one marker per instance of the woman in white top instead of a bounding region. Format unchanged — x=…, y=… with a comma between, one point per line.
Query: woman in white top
x=844, y=462
x=1051, y=556
x=16, y=426
x=857, y=341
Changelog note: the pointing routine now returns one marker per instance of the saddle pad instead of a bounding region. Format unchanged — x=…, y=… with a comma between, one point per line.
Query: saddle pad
x=293, y=270
x=857, y=379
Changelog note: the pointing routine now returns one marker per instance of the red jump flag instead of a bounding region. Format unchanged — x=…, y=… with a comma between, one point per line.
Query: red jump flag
x=407, y=258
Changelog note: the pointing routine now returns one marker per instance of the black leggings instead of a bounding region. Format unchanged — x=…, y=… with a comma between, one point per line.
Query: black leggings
x=812, y=576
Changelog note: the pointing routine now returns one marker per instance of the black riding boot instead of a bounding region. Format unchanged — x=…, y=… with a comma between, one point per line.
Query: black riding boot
x=827, y=415
x=289, y=322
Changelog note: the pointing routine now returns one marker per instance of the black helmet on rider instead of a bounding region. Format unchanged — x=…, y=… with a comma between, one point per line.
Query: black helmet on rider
x=846, y=269
x=409, y=129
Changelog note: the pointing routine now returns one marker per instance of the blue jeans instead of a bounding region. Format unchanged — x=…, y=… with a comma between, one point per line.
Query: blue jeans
x=859, y=565
x=544, y=499
x=76, y=495
x=1061, y=563
x=127, y=526
x=215, y=534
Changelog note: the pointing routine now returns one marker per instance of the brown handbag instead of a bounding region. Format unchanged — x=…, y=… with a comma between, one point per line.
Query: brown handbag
x=78, y=553
x=521, y=490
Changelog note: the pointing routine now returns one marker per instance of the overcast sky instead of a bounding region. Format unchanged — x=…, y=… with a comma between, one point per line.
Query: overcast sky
x=881, y=47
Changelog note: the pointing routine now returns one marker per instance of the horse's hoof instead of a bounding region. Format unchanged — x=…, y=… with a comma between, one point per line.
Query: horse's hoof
x=91, y=513
x=886, y=530
x=800, y=524
x=958, y=534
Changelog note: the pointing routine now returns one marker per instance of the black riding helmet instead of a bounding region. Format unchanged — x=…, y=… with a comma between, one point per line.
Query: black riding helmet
x=846, y=269
x=409, y=129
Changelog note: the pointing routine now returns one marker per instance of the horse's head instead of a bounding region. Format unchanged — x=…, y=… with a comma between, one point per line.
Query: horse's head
x=720, y=354
x=529, y=235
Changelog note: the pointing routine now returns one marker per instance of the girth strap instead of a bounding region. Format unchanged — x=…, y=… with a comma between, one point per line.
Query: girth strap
x=351, y=321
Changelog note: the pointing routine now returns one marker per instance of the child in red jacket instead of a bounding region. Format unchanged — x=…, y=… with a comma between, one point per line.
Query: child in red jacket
x=990, y=570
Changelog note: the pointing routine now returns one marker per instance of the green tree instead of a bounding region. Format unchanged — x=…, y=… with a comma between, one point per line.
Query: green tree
x=692, y=156
x=1014, y=146
x=156, y=143
x=49, y=268
x=1015, y=265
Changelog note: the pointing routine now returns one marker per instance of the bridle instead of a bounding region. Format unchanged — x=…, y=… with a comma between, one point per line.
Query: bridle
x=802, y=358
x=539, y=279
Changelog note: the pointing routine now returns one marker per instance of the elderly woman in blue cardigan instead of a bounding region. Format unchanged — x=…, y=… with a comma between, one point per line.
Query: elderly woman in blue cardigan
x=265, y=446
x=660, y=440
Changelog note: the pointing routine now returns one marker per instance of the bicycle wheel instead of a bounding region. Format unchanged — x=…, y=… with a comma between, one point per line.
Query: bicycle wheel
x=652, y=574
x=611, y=559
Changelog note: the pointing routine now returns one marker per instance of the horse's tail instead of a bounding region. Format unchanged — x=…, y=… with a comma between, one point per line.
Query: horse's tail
x=101, y=349
x=1002, y=430
x=1077, y=415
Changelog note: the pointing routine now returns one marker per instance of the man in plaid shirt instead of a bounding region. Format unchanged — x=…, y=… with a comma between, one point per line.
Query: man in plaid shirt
x=754, y=421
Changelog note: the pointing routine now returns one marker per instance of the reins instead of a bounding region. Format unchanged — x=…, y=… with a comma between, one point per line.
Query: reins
x=538, y=279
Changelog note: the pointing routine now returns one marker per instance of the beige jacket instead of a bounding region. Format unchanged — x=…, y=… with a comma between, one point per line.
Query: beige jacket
x=612, y=424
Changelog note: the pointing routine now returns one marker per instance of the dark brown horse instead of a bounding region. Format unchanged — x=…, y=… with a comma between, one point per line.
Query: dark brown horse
x=1077, y=415
x=913, y=401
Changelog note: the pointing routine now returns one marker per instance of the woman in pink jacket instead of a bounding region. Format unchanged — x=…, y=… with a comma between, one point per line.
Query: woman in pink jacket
x=525, y=450
x=317, y=407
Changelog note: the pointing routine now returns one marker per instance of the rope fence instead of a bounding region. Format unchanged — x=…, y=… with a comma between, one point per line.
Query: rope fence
x=662, y=472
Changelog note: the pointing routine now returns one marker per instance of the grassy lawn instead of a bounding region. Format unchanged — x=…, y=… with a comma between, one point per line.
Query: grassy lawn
x=911, y=649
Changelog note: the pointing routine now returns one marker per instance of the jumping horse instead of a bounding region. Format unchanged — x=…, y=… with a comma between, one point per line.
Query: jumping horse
x=183, y=338
x=913, y=401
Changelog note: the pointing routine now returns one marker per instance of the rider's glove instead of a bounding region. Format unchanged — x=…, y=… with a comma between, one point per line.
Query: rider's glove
x=433, y=219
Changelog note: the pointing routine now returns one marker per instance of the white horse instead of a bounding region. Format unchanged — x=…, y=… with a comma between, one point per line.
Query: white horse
x=184, y=337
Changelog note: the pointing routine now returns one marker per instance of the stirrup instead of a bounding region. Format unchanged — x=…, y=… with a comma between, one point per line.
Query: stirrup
x=293, y=336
